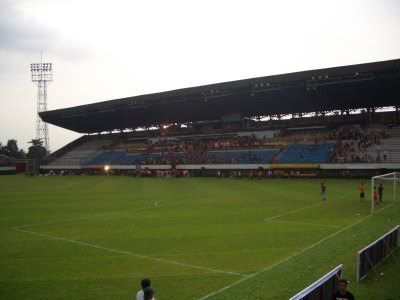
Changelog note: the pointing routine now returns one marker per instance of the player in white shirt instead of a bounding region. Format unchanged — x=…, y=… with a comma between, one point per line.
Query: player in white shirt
x=148, y=294
x=145, y=283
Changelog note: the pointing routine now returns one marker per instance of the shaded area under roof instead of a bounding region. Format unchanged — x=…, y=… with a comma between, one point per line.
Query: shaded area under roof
x=367, y=85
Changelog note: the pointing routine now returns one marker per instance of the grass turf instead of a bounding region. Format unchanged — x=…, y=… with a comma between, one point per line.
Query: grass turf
x=96, y=237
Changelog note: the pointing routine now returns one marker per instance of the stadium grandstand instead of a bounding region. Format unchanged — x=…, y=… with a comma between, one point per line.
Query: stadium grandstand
x=310, y=123
x=281, y=233
x=200, y=150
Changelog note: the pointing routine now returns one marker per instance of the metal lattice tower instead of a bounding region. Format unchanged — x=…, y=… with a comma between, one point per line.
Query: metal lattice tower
x=42, y=75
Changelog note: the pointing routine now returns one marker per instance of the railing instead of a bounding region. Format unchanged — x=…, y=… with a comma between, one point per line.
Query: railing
x=64, y=162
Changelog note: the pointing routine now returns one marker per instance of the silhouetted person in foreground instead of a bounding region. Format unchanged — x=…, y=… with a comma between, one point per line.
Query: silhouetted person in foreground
x=148, y=294
x=145, y=283
x=343, y=293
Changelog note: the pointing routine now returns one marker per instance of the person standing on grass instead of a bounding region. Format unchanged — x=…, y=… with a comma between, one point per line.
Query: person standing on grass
x=376, y=195
x=323, y=192
x=361, y=188
x=145, y=283
x=380, y=192
x=251, y=174
x=148, y=294
x=343, y=293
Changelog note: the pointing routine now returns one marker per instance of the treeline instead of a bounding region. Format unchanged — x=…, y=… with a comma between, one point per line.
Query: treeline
x=35, y=150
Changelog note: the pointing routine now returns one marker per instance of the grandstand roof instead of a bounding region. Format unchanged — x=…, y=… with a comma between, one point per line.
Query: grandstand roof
x=367, y=85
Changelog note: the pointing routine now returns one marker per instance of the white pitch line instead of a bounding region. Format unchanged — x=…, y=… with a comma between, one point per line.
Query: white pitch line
x=300, y=209
x=305, y=223
x=79, y=218
x=287, y=258
x=156, y=204
x=128, y=253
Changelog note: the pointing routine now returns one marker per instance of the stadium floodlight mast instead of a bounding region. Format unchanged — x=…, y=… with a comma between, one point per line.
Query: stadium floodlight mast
x=42, y=75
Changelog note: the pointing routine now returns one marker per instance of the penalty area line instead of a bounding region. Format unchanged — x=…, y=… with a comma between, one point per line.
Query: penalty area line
x=128, y=253
x=305, y=223
x=287, y=258
x=302, y=208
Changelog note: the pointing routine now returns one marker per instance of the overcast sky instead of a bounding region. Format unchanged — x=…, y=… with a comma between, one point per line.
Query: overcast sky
x=103, y=50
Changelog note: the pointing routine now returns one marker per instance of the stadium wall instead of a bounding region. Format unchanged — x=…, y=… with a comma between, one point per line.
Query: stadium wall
x=7, y=170
x=363, y=166
x=61, y=167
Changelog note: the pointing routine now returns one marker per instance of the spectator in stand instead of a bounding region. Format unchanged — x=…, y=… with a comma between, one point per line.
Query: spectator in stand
x=354, y=143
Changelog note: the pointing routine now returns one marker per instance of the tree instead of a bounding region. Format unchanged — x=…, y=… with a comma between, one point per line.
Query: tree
x=11, y=149
x=21, y=154
x=36, y=151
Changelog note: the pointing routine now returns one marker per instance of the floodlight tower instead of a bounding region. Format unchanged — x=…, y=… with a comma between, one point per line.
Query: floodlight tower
x=42, y=75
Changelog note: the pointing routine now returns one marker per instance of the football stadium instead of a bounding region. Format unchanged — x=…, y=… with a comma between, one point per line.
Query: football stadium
x=266, y=188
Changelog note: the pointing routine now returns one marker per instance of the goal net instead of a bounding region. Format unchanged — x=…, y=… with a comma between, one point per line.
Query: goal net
x=384, y=190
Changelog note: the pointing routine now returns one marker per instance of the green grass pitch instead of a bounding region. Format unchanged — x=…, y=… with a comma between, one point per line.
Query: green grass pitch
x=201, y=238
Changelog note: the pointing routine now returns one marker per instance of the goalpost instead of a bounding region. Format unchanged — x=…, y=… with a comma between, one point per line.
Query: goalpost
x=388, y=182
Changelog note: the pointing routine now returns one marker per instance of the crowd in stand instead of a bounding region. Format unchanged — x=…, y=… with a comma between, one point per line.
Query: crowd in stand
x=197, y=151
x=200, y=145
x=353, y=148
x=200, y=157
x=371, y=137
x=355, y=144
